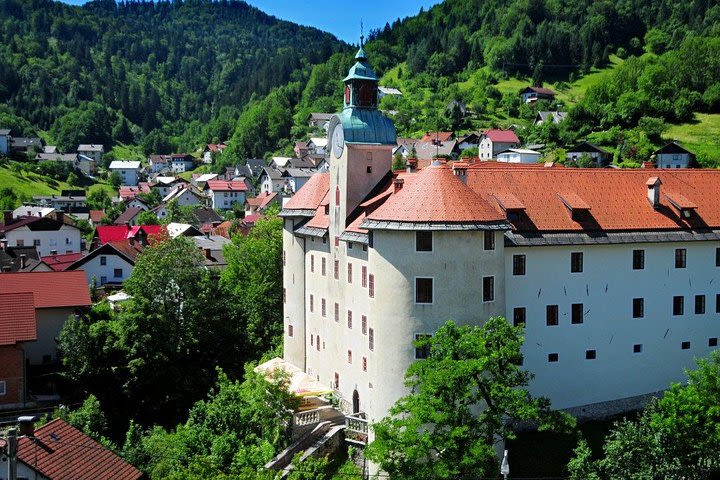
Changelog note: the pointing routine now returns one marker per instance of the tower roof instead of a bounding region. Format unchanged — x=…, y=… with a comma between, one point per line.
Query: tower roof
x=367, y=126
x=361, y=70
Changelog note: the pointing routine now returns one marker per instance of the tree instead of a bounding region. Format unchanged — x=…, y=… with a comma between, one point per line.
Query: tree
x=73, y=180
x=99, y=199
x=463, y=397
x=147, y=218
x=399, y=162
x=8, y=199
x=115, y=180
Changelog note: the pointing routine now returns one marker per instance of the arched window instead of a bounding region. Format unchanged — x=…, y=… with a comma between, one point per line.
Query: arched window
x=367, y=95
x=347, y=94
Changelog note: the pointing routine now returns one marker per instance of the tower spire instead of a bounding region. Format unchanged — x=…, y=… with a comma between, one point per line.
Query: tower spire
x=362, y=34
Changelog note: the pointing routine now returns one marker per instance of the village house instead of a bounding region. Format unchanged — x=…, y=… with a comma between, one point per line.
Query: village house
x=589, y=150
x=47, y=235
x=212, y=148
x=271, y=180
x=95, y=152
x=5, y=141
x=126, y=192
x=673, y=155
x=95, y=217
x=110, y=264
x=87, y=165
x=20, y=259
x=158, y=163
x=295, y=178
x=260, y=203
x=185, y=195
x=471, y=140
x=67, y=201
x=129, y=216
x=223, y=194
x=211, y=247
x=319, y=120
x=181, y=162
x=518, y=155
x=128, y=170
x=70, y=158
x=124, y=233
x=495, y=141
x=32, y=211
x=388, y=91
x=317, y=146
x=164, y=185
x=26, y=144
x=533, y=94
x=554, y=117
x=199, y=180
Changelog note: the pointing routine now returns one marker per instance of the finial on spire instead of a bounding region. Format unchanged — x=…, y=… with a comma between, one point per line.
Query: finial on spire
x=362, y=34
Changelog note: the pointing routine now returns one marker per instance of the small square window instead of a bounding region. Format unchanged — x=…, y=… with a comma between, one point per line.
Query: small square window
x=638, y=307
x=551, y=315
x=590, y=354
x=369, y=169
x=103, y=260
x=576, y=262
x=350, y=245
x=103, y=280
x=118, y=273
x=519, y=316
x=518, y=264
x=364, y=248
x=680, y=258
x=638, y=259
x=3, y=388
x=423, y=241
x=685, y=345
x=423, y=290
x=712, y=342
x=678, y=305
x=699, y=304
x=363, y=324
x=488, y=292
x=637, y=348
x=553, y=357
x=423, y=351
x=36, y=242
x=489, y=242
x=577, y=313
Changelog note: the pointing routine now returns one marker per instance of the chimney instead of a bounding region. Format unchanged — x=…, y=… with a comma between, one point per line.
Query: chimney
x=23, y=261
x=127, y=225
x=398, y=182
x=3, y=244
x=411, y=165
x=6, y=269
x=653, y=192
x=27, y=426
x=7, y=216
x=208, y=255
x=460, y=170
x=53, y=252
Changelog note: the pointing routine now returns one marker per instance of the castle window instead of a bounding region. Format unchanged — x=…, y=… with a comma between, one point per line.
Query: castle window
x=337, y=313
x=638, y=259
x=369, y=169
x=364, y=276
x=553, y=357
x=364, y=364
x=347, y=94
x=337, y=269
x=290, y=330
x=349, y=356
x=551, y=315
x=322, y=266
x=638, y=307
x=518, y=264
x=371, y=339
x=423, y=290
x=323, y=308
x=699, y=304
x=422, y=351
x=349, y=319
x=680, y=258
x=590, y=354
x=488, y=293
x=317, y=343
x=577, y=313
x=685, y=345
x=337, y=241
x=312, y=340
x=337, y=380
x=489, y=241
x=349, y=272
x=311, y=302
x=371, y=285
x=363, y=324
x=312, y=263
x=576, y=262
x=637, y=348
x=519, y=314
x=678, y=305
x=423, y=241
x=337, y=196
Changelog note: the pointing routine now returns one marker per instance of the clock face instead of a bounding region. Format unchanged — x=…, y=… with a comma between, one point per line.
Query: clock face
x=338, y=140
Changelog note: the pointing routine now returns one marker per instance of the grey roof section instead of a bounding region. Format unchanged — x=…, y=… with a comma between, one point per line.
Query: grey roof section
x=90, y=148
x=299, y=172
x=297, y=213
x=56, y=157
x=438, y=226
x=320, y=116
x=524, y=239
x=428, y=150
x=19, y=142
x=4, y=131
x=273, y=173
x=311, y=231
x=356, y=237
x=211, y=242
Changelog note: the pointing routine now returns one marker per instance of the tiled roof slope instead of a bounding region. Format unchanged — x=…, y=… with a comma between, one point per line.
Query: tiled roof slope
x=311, y=194
x=116, y=233
x=226, y=186
x=617, y=198
x=436, y=195
x=62, y=452
x=51, y=289
x=62, y=261
x=502, y=136
x=17, y=318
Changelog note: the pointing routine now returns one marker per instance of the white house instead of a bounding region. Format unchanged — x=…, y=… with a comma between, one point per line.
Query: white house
x=533, y=94
x=673, y=155
x=4, y=141
x=519, y=155
x=32, y=211
x=158, y=163
x=295, y=178
x=279, y=162
x=47, y=235
x=110, y=263
x=212, y=148
x=223, y=194
x=590, y=150
x=495, y=141
x=181, y=162
x=184, y=195
x=127, y=169
x=554, y=117
x=271, y=180
x=92, y=151
x=319, y=120
x=317, y=146
x=87, y=165
x=388, y=91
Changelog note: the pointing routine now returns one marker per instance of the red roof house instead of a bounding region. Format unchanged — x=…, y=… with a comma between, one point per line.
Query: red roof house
x=117, y=233
x=60, y=262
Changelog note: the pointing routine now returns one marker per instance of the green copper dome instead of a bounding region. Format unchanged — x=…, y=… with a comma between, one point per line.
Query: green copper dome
x=361, y=125
x=361, y=70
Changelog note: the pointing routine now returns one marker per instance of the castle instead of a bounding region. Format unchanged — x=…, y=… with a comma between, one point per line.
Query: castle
x=614, y=273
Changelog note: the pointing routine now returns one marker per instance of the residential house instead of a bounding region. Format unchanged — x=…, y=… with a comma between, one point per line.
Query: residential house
x=59, y=451
x=117, y=233
x=20, y=259
x=271, y=180
x=319, y=120
x=18, y=326
x=295, y=178
x=587, y=149
x=181, y=162
x=25, y=144
x=96, y=217
x=127, y=192
x=212, y=248
x=317, y=146
x=471, y=140
x=673, y=155
x=32, y=211
x=95, y=152
x=185, y=195
x=67, y=201
x=127, y=169
x=533, y=94
x=388, y=91
x=301, y=149
x=279, y=162
x=135, y=202
x=519, y=155
x=223, y=194
x=212, y=148
x=440, y=137
x=61, y=261
x=206, y=216
x=5, y=141
x=199, y=180
x=260, y=203
x=110, y=264
x=129, y=216
x=495, y=141
x=164, y=185
x=256, y=166
x=46, y=234
x=57, y=295
x=554, y=117
x=87, y=165
x=70, y=158
x=305, y=162
x=426, y=151
x=158, y=163
x=50, y=149
x=176, y=229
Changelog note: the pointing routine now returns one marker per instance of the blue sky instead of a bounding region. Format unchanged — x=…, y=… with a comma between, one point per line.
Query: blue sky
x=341, y=18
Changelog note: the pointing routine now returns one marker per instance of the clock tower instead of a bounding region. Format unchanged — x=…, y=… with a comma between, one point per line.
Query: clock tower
x=361, y=141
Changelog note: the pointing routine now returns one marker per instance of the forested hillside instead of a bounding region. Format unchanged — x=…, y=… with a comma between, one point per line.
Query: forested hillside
x=162, y=74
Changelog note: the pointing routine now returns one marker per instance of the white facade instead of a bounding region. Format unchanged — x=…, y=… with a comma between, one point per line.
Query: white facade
x=104, y=269
x=487, y=149
x=518, y=155
x=128, y=171
x=181, y=165
x=223, y=200
x=270, y=185
x=94, y=152
x=672, y=160
x=64, y=240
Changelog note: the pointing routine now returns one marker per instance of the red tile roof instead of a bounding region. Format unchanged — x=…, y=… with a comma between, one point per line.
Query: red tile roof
x=262, y=200
x=435, y=195
x=62, y=452
x=311, y=194
x=127, y=192
x=502, y=136
x=17, y=318
x=116, y=233
x=97, y=215
x=51, y=289
x=439, y=136
x=62, y=261
x=226, y=186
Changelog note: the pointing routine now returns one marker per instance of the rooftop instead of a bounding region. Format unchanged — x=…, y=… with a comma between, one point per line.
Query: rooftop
x=51, y=289
x=17, y=318
x=226, y=186
x=129, y=164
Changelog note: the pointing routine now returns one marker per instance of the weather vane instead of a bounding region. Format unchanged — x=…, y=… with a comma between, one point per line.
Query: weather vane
x=362, y=35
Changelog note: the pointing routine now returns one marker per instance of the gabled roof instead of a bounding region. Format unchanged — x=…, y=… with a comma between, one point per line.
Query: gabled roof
x=256, y=165
x=90, y=148
x=123, y=248
x=97, y=215
x=672, y=147
x=273, y=173
x=59, y=451
x=35, y=224
x=51, y=289
x=56, y=157
x=437, y=136
x=588, y=147
x=262, y=200
x=206, y=215
x=502, y=136
x=429, y=150
x=4, y=131
x=17, y=318
x=320, y=116
x=11, y=257
x=115, y=233
x=127, y=215
x=129, y=164
x=311, y=194
x=226, y=186
x=540, y=90
x=61, y=262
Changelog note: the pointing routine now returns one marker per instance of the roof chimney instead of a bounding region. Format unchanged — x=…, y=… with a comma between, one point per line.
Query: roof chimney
x=7, y=216
x=27, y=426
x=53, y=252
x=653, y=192
x=398, y=182
x=208, y=254
x=460, y=170
x=3, y=244
x=411, y=165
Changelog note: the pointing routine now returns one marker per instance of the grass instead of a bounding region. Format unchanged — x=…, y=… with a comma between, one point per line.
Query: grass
x=575, y=91
x=26, y=184
x=128, y=152
x=701, y=136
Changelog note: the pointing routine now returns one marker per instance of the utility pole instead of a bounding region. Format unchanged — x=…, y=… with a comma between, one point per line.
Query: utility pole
x=12, y=454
